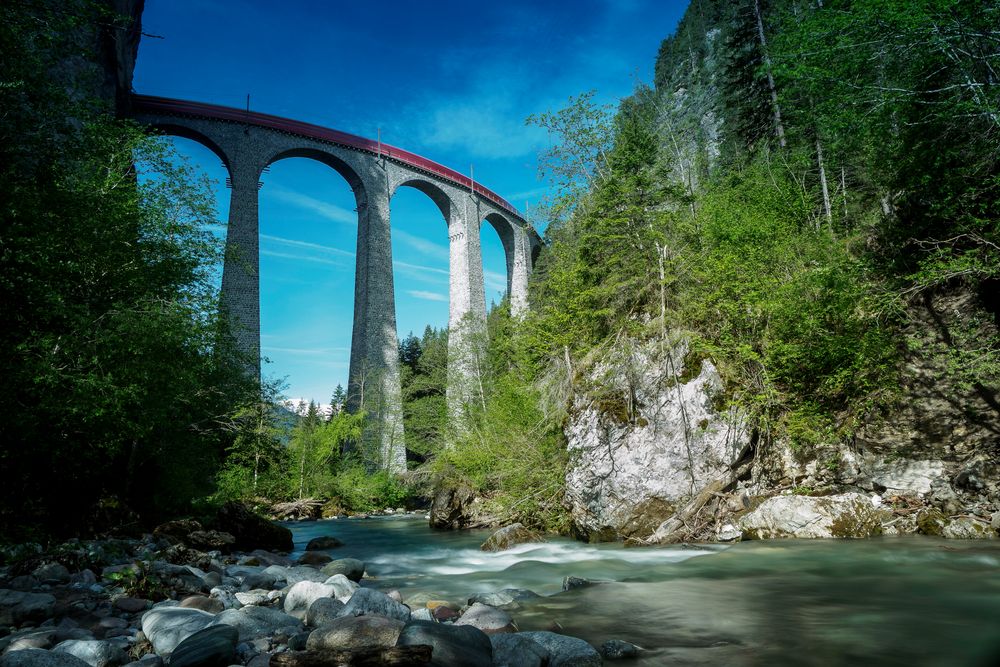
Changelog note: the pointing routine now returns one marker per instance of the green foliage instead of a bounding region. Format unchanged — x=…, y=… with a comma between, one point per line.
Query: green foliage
x=116, y=370
x=514, y=455
x=360, y=490
x=424, y=378
x=140, y=582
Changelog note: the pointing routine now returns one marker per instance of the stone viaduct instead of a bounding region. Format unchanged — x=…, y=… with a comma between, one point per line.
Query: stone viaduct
x=247, y=142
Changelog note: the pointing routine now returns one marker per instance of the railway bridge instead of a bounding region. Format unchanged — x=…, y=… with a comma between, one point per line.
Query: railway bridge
x=247, y=142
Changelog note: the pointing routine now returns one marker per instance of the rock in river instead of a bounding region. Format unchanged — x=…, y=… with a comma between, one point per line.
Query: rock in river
x=516, y=650
x=510, y=536
x=566, y=651
x=368, y=602
x=17, y=606
x=253, y=622
x=454, y=646
x=94, y=652
x=323, y=543
x=352, y=568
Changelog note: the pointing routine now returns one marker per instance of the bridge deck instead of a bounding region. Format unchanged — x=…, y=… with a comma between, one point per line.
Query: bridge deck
x=153, y=105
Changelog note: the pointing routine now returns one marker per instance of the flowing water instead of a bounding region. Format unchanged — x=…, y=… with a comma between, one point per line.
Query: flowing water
x=889, y=601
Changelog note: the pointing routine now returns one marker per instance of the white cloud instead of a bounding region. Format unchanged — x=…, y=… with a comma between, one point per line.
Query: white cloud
x=427, y=296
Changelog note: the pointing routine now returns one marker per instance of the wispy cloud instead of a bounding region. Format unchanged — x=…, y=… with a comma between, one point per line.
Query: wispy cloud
x=300, y=257
x=317, y=206
x=426, y=296
x=428, y=274
x=306, y=245
x=422, y=245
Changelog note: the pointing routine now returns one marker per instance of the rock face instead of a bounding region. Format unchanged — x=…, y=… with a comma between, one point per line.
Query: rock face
x=645, y=439
x=843, y=515
x=510, y=536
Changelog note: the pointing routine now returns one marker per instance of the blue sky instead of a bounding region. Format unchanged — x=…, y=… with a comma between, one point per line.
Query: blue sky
x=452, y=81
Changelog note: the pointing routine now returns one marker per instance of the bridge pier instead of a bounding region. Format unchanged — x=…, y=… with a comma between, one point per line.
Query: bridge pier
x=240, y=299
x=373, y=382
x=466, y=310
x=520, y=270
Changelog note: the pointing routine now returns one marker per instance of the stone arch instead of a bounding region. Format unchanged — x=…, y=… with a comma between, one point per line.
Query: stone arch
x=505, y=230
x=433, y=191
x=186, y=132
x=346, y=171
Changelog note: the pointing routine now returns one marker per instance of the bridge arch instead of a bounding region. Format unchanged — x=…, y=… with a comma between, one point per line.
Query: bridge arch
x=433, y=191
x=187, y=132
x=346, y=171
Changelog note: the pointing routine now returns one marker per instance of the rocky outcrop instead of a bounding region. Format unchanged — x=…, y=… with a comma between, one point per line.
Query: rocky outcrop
x=645, y=436
x=844, y=515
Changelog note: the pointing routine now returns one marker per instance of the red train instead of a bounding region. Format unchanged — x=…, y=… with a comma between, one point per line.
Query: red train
x=151, y=104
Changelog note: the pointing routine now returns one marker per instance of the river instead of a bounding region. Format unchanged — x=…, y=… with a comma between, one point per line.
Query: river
x=888, y=601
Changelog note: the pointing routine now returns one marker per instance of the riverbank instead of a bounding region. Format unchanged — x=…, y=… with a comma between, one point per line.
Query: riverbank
x=910, y=600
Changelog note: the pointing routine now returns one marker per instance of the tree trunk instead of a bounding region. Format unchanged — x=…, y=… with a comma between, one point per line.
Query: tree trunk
x=779, y=129
x=827, y=210
x=397, y=656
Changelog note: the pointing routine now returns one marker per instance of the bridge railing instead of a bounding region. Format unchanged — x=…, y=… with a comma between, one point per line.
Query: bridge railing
x=165, y=105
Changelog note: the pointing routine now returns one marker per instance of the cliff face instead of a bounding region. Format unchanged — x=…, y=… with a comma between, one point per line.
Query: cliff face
x=925, y=453
x=101, y=51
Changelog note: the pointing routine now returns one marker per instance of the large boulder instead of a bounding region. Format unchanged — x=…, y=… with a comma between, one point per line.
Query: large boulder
x=323, y=611
x=214, y=646
x=356, y=632
x=176, y=531
x=303, y=594
x=566, y=651
x=38, y=657
x=17, y=607
x=254, y=622
x=166, y=627
x=352, y=568
x=510, y=536
x=516, y=650
x=323, y=542
x=369, y=602
x=451, y=508
x=843, y=515
x=453, y=646
x=343, y=587
x=646, y=439
x=488, y=619
x=251, y=531
x=94, y=652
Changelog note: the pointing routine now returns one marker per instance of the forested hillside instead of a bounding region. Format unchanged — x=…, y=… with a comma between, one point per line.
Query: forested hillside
x=808, y=196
